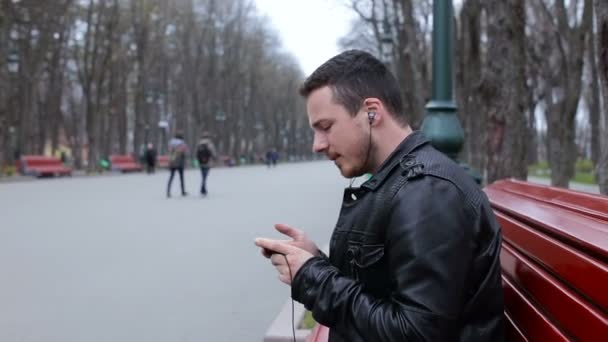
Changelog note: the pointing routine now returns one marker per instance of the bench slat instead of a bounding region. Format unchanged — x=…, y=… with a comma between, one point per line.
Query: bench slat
x=124, y=163
x=527, y=317
x=582, y=232
x=573, y=313
x=512, y=332
x=585, y=203
x=579, y=270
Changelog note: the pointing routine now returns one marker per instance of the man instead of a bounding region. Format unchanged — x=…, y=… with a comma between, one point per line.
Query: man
x=177, y=161
x=150, y=156
x=415, y=252
x=204, y=153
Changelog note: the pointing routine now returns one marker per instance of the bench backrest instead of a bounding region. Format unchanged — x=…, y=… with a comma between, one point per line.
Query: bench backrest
x=34, y=161
x=554, y=261
x=163, y=161
x=121, y=159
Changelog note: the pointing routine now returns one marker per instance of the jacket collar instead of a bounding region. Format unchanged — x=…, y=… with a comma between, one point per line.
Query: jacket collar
x=409, y=144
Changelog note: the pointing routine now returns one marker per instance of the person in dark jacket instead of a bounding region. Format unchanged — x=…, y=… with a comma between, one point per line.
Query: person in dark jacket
x=415, y=252
x=150, y=156
x=204, y=154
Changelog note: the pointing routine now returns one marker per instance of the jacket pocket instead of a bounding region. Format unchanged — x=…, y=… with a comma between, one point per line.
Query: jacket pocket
x=366, y=261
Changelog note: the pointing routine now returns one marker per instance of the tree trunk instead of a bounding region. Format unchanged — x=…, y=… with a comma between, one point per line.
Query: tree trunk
x=503, y=90
x=593, y=98
x=601, y=12
x=468, y=76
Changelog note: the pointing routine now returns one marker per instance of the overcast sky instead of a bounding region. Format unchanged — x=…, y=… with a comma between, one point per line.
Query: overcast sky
x=309, y=29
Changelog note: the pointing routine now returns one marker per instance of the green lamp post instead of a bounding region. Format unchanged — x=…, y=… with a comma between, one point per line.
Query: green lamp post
x=441, y=124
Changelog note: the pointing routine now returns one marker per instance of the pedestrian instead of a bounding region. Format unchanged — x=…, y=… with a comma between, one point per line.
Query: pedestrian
x=274, y=157
x=204, y=154
x=150, y=158
x=415, y=252
x=178, y=150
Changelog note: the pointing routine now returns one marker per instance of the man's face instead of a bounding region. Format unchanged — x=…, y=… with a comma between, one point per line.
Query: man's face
x=337, y=134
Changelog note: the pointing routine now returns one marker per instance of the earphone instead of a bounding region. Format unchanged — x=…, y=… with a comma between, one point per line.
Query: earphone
x=371, y=116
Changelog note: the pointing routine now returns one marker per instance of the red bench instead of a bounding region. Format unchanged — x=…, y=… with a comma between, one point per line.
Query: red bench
x=554, y=263
x=40, y=166
x=124, y=163
x=163, y=161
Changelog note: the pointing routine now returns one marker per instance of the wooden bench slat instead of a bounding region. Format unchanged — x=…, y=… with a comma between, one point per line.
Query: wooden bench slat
x=527, y=317
x=574, y=314
x=579, y=270
x=582, y=202
x=582, y=232
x=124, y=163
x=512, y=331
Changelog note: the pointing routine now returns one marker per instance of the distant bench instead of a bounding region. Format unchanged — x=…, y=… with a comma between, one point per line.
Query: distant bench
x=554, y=262
x=124, y=163
x=163, y=161
x=41, y=166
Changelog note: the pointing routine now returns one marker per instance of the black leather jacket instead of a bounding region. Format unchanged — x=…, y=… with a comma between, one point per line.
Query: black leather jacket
x=414, y=257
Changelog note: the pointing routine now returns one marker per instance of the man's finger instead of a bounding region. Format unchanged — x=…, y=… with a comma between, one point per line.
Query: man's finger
x=288, y=230
x=275, y=246
x=266, y=253
x=277, y=259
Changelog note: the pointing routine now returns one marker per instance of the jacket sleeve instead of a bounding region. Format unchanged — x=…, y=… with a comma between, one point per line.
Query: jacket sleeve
x=429, y=248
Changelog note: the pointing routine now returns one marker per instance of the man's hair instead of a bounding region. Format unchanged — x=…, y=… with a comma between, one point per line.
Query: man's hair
x=179, y=135
x=353, y=76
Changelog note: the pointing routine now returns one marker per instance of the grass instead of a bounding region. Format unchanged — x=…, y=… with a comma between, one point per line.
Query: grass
x=307, y=322
x=584, y=171
x=585, y=178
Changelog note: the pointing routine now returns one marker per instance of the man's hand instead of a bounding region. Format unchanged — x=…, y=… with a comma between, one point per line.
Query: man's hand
x=299, y=239
x=286, y=258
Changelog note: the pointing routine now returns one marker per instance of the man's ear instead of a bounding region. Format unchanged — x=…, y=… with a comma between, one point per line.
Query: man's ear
x=372, y=104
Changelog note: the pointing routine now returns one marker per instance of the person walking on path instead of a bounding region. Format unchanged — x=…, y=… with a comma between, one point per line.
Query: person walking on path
x=204, y=154
x=178, y=149
x=150, y=157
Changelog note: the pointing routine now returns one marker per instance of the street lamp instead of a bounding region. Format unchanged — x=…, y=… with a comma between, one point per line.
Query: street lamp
x=441, y=124
x=13, y=61
x=146, y=130
x=163, y=125
x=220, y=116
x=14, y=150
x=149, y=97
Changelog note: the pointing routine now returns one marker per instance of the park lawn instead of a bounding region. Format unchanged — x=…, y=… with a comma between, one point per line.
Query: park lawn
x=307, y=322
x=583, y=173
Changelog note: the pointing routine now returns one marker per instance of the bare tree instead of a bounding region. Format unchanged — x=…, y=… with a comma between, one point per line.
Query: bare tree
x=468, y=67
x=102, y=73
x=593, y=94
x=503, y=89
x=560, y=35
x=601, y=15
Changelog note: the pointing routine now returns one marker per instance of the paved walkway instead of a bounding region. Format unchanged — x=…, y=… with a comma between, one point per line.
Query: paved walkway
x=111, y=259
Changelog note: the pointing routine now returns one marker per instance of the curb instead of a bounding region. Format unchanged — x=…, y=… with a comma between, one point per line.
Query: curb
x=281, y=330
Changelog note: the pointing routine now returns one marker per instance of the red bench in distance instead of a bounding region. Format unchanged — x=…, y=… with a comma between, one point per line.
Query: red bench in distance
x=162, y=161
x=124, y=163
x=40, y=166
x=554, y=263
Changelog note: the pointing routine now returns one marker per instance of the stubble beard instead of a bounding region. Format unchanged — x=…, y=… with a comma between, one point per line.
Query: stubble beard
x=361, y=166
